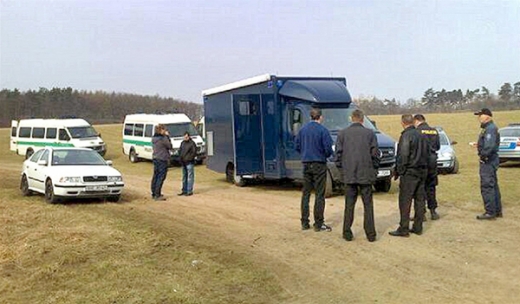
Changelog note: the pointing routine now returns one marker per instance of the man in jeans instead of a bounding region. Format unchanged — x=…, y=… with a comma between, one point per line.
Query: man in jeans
x=161, y=157
x=314, y=143
x=188, y=152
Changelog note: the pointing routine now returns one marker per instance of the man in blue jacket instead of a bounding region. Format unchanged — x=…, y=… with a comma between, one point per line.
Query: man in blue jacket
x=487, y=146
x=314, y=143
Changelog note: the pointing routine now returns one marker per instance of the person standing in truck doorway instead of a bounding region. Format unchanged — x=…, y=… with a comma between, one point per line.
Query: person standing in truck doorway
x=314, y=143
x=432, y=138
x=357, y=157
x=188, y=152
x=161, y=158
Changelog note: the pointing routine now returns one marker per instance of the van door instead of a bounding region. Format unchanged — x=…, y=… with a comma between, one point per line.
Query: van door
x=271, y=137
x=247, y=134
x=295, y=121
x=14, y=138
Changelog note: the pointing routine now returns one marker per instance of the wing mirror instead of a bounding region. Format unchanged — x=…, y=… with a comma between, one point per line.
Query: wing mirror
x=109, y=162
x=42, y=162
x=453, y=142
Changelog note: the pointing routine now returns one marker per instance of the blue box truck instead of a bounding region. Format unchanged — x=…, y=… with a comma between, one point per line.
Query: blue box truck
x=251, y=127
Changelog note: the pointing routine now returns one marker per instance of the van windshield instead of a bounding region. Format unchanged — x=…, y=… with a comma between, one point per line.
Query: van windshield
x=178, y=129
x=82, y=132
x=339, y=118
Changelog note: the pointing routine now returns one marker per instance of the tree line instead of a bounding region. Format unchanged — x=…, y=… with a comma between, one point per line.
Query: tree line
x=507, y=98
x=96, y=107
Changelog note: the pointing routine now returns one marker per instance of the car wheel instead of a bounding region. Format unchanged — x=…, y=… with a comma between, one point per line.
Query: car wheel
x=49, y=192
x=133, y=156
x=383, y=185
x=29, y=153
x=455, y=169
x=114, y=198
x=24, y=186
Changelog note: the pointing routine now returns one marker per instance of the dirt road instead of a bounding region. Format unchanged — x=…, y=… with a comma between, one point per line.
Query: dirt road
x=457, y=260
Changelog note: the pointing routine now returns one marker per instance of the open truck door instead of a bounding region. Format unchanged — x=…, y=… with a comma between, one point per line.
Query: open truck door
x=14, y=136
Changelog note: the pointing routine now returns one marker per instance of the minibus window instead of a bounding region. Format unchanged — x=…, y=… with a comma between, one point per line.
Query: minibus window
x=148, y=131
x=51, y=133
x=13, y=132
x=38, y=132
x=82, y=132
x=25, y=132
x=63, y=135
x=138, y=130
x=129, y=129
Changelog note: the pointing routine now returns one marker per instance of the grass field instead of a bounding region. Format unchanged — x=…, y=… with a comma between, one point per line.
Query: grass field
x=96, y=252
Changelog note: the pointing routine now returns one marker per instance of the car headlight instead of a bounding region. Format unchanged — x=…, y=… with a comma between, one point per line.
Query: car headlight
x=115, y=179
x=447, y=154
x=70, y=179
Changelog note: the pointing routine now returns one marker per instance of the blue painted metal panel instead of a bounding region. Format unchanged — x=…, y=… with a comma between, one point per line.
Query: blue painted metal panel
x=271, y=128
x=248, y=134
x=317, y=91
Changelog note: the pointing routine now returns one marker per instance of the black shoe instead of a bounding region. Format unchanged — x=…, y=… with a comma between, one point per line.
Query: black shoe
x=323, y=227
x=499, y=214
x=434, y=215
x=486, y=216
x=416, y=232
x=348, y=236
x=371, y=239
x=159, y=198
x=181, y=194
x=189, y=194
x=306, y=226
x=399, y=233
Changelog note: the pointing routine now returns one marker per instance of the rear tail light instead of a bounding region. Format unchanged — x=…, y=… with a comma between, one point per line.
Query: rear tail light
x=518, y=142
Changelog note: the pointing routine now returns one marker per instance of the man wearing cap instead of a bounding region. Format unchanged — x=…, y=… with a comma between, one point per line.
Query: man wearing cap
x=432, y=138
x=487, y=146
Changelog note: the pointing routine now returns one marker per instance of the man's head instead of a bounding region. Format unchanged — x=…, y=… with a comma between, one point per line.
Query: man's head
x=484, y=115
x=357, y=116
x=418, y=119
x=406, y=120
x=160, y=129
x=316, y=115
x=186, y=136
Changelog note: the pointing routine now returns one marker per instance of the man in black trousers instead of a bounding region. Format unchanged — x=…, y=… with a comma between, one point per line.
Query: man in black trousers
x=411, y=168
x=432, y=138
x=357, y=156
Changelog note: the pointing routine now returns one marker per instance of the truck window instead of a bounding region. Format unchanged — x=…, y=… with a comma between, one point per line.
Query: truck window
x=25, y=132
x=38, y=132
x=129, y=129
x=138, y=130
x=148, y=131
x=51, y=133
x=296, y=121
x=63, y=135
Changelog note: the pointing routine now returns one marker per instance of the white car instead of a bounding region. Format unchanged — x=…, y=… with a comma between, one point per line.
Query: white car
x=62, y=173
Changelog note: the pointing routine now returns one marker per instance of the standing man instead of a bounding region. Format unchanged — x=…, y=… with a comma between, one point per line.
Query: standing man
x=432, y=139
x=488, y=143
x=411, y=161
x=188, y=152
x=314, y=143
x=357, y=156
x=161, y=157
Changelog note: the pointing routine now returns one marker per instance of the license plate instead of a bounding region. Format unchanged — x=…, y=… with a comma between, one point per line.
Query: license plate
x=383, y=173
x=96, y=188
x=507, y=145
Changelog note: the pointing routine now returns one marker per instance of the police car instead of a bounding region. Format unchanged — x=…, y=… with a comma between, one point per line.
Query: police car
x=509, y=149
x=447, y=161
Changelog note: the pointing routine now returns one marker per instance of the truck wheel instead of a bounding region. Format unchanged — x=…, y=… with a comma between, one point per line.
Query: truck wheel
x=29, y=153
x=114, y=198
x=383, y=185
x=329, y=185
x=231, y=177
x=133, y=156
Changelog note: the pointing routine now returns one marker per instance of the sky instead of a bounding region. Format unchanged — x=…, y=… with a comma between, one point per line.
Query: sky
x=385, y=48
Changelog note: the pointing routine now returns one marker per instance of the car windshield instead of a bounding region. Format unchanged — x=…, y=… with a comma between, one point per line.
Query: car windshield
x=77, y=157
x=444, y=139
x=82, y=132
x=178, y=129
x=340, y=118
x=510, y=133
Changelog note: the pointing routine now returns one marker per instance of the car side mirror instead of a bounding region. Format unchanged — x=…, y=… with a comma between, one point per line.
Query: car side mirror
x=453, y=142
x=42, y=162
x=109, y=162
x=373, y=122
x=99, y=135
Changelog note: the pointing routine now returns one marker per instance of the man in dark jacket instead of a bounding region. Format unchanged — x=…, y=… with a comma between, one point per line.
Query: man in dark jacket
x=188, y=152
x=411, y=162
x=161, y=157
x=488, y=143
x=314, y=143
x=431, y=135
x=357, y=156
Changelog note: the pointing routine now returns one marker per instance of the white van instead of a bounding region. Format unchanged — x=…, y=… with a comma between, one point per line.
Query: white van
x=31, y=135
x=139, y=128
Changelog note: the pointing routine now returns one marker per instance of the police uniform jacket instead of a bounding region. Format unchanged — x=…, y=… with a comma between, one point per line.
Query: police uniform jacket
x=488, y=142
x=432, y=138
x=357, y=154
x=412, y=151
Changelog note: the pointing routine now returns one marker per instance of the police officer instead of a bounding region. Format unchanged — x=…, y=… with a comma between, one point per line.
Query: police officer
x=487, y=146
x=411, y=168
x=357, y=156
x=314, y=143
x=432, y=138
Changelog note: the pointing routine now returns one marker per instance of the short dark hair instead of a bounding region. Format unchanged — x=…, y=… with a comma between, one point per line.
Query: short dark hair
x=407, y=119
x=419, y=117
x=315, y=113
x=187, y=133
x=357, y=115
x=159, y=128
